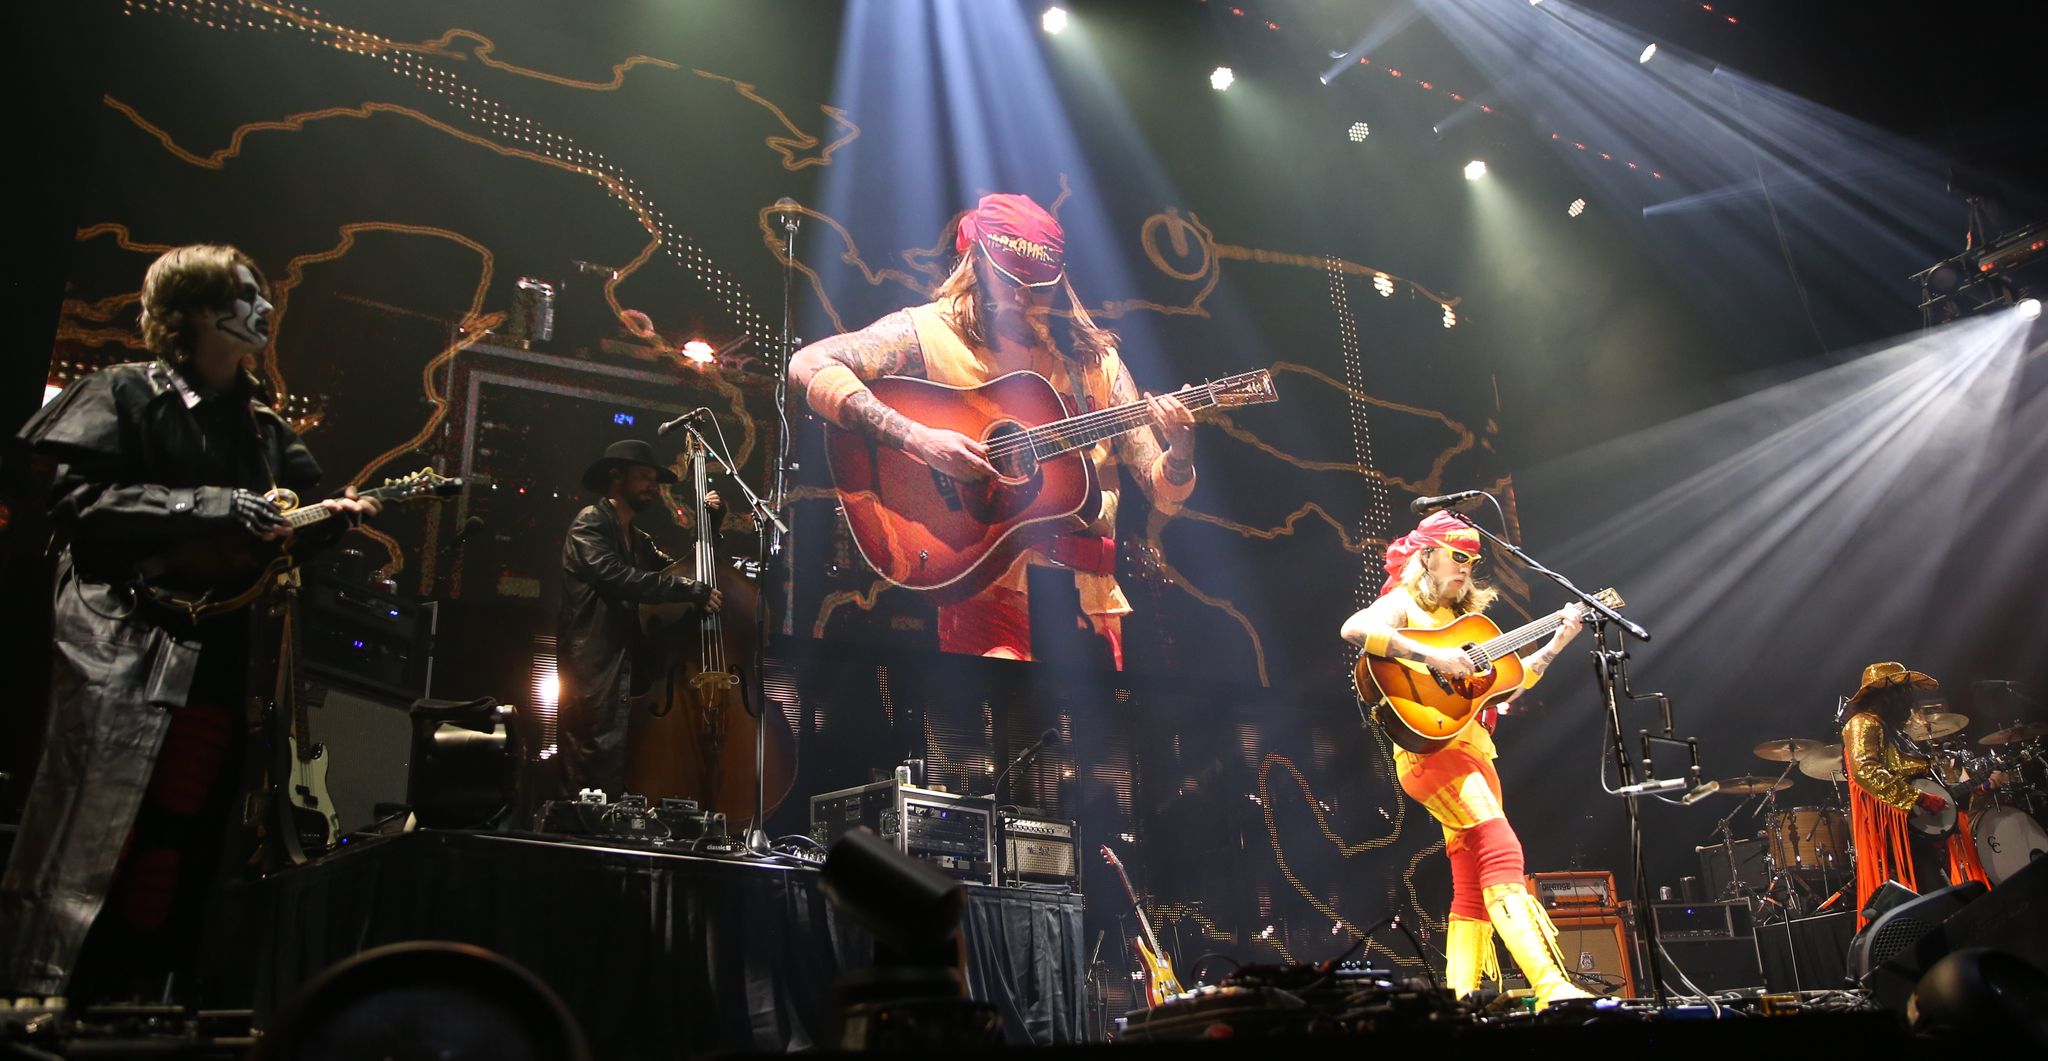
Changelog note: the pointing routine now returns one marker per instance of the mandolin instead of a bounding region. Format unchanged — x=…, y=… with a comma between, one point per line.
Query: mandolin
x=209, y=576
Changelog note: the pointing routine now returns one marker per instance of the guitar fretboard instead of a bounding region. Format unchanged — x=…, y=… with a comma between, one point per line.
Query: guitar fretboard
x=1076, y=432
x=1522, y=637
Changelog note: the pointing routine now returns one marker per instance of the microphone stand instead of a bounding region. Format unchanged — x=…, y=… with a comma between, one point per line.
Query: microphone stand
x=769, y=534
x=996, y=793
x=1611, y=677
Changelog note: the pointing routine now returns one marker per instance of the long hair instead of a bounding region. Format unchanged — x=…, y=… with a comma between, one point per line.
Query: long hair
x=1422, y=589
x=960, y=293
x=1890, y=704
x=183, y=281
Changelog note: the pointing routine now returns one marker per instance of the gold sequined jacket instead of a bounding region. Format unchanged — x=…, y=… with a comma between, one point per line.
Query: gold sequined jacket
x=1877, y=764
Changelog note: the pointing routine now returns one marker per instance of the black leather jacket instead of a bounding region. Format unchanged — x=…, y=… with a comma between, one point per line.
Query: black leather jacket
x=144, y=461
x=598, y=628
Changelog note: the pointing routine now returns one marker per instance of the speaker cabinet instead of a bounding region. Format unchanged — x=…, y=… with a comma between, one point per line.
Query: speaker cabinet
x=367, y=740
x=1714, y=965
x=1892, y=951
x=1596, y=954
x=1807, y=953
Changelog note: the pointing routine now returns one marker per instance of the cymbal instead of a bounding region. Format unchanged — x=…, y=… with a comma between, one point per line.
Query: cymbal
x=1825, y=764
x=1934, y=725
x=1750, y=784
x=2019, y=732
x=1786, y=750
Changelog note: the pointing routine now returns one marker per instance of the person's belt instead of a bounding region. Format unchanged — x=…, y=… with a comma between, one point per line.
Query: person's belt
x=1092, y=553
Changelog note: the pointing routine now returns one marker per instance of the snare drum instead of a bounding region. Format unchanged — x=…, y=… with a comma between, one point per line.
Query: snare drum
x=1814, y=838
x=2007, y=839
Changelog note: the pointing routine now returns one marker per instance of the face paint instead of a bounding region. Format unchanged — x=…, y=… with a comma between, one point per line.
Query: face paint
x=226, y=335
x=246, y=320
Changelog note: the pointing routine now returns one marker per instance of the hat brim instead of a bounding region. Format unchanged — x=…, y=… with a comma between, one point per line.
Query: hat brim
x=594, y=477
x=1918, y=680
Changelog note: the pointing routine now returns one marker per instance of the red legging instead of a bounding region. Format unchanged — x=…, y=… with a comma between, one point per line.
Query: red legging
x=997, y=622
x=1462, y=792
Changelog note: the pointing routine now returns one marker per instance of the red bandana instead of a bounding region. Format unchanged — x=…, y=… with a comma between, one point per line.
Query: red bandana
x=1442, y=530
x=1020, y=239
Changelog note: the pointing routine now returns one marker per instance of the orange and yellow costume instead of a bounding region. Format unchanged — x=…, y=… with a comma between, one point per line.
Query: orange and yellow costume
x=1461, y=790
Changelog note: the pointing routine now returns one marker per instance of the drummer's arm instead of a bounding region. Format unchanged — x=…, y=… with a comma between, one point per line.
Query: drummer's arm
x=1864, y=740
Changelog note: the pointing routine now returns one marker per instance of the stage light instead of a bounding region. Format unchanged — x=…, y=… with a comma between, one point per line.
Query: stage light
x=1359, y=131
x=1474, y=170
x=1221, y=79
x=1647, y=53
x=1383, y=284
x=1450, y=317
x=1578, y=207
x=1054, y=20
x=699, y=351
x=2030, y=309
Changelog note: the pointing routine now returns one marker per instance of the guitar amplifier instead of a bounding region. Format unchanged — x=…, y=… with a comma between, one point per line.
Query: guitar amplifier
x=1036, y=850
x=1596, y=953
x=954, y=833
x=1576, y=893
x=366, y=638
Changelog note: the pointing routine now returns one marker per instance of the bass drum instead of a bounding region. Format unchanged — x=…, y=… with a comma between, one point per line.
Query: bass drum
x=2007, y=839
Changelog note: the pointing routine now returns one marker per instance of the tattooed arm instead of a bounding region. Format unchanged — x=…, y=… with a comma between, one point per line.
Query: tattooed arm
x=831, y=371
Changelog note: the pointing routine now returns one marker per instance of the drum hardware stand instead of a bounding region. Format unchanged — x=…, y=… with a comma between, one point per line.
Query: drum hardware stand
x=1611, y=676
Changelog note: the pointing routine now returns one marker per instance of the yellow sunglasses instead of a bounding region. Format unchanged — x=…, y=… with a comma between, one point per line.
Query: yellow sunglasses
x=1460, y=556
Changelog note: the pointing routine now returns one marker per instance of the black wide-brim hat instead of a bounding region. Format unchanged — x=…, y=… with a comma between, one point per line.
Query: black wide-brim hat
x=618, y=455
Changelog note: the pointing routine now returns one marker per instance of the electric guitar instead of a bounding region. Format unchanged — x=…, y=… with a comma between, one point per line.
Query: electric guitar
x=213, y=575
x=922, y=529
x=1423, y=710
x=1160, y=983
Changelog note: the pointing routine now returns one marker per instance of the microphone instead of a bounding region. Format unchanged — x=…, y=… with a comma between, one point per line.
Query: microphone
x=1699, y=793
x=1423, y=506
x=791, y=218
x=681, y=420
x=1049, y=737
x=1652, y=788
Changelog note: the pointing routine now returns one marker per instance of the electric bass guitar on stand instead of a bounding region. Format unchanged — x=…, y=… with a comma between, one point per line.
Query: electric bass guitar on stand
x=1160, y=983
x=1423, y=710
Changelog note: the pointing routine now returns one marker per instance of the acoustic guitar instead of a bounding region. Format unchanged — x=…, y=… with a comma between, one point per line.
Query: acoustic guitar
x=921, y=529
x=213, y=575
x=1423, y=710
x=1160, y=982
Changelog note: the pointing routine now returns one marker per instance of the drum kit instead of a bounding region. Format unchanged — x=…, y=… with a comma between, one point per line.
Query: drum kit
x=1807, y=850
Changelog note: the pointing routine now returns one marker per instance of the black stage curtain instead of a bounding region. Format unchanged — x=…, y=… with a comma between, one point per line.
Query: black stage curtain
x=658, y=954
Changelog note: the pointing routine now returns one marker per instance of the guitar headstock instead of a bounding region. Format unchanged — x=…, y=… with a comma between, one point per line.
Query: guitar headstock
x=1245, y=388
x=1610, y=597
x=1110, y=857
x=423, y=485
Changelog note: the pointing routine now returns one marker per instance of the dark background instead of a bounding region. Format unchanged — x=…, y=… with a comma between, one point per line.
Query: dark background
x=1228, y=762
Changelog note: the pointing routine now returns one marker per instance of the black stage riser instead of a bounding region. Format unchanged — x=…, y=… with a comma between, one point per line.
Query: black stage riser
x=657, y=955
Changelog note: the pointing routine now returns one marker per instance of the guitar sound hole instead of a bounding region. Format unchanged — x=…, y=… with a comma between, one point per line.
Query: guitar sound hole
x=1013, y=459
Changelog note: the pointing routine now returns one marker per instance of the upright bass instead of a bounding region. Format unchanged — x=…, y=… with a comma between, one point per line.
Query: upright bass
x=695, y=737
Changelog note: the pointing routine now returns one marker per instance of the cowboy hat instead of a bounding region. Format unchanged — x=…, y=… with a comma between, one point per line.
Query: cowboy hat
x=1886, y=675
x=620, y=454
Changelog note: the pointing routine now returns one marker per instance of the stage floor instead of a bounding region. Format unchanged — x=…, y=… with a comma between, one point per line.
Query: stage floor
x=657, y=954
